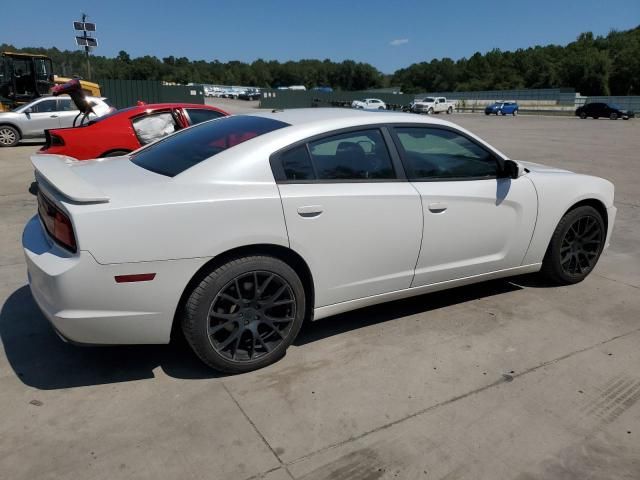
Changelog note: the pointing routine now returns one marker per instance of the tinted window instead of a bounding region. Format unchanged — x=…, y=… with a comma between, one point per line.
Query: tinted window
x=189, y=147
x=433, y=153
x=45, y=106
x=352, y=156
x=297, y=164
x=199, y=115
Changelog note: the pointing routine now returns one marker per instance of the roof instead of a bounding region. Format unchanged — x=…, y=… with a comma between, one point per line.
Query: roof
x=311, y=116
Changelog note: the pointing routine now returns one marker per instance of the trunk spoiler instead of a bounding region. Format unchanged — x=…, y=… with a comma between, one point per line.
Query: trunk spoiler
x=57, y=171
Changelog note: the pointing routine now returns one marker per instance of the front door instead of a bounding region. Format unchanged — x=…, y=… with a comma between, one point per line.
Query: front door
x=474, y=221
x=351, y=218
x=42, y=116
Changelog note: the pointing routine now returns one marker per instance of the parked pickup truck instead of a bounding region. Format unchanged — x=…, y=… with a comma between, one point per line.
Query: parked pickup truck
x=432, y=105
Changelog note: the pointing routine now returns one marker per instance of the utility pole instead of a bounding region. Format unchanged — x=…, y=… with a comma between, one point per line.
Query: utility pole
x=86, y=40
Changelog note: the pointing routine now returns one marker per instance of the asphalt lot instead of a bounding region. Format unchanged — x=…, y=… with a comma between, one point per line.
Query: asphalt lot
x=510, y=379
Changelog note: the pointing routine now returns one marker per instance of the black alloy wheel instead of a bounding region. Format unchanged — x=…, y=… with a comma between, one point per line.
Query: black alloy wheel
x=251, y=316
x=575, y=246
x=244, y=314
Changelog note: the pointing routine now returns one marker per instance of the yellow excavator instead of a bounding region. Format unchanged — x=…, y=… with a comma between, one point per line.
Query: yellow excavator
x=25, y=76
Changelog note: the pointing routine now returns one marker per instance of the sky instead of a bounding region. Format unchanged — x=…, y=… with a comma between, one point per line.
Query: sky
x=388, y=34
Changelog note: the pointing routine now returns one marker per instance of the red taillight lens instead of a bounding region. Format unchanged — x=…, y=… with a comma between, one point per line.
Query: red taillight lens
x=57, y=223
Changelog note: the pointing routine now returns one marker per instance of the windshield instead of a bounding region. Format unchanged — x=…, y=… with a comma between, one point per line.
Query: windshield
x=181, y=151
x=428, y=100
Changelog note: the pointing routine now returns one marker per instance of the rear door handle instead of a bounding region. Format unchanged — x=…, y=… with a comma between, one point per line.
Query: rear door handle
x=310, y=211
x=437, y=207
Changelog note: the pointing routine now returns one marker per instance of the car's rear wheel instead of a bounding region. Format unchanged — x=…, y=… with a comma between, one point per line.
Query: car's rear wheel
x=244, y=314
x=583, y=115
x=380, y=108
x=9, y=136
x=487, y=113
x=613, y=116
x=575, y=246
x=450, y=110
x=515, y=113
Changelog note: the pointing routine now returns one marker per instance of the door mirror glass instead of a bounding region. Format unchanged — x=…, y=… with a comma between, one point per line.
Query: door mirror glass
x=28, y=110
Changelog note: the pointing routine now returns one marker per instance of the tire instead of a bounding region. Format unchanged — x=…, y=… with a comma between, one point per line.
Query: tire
x=515, y=113
x=115, y=153
x=430, y=111
x=595, y=117
x=241, y=335
x=583, y=115
x=498, y=112
x=449, y=110
x=9, y=136
x=380, y=108
x=613, y=116
x=503, y=113
x=487, y=113
x=585, y=226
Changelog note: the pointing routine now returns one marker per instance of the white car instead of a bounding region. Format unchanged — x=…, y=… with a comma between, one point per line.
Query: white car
x=239, y=229
x=32, y=119
x=369, y=104
x=432, y=105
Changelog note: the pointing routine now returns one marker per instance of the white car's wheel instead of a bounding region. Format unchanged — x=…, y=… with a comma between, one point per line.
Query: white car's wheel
x=9, y=136
x=449, y=110
x=430, y=111
x=244, y=314
x=575, y=246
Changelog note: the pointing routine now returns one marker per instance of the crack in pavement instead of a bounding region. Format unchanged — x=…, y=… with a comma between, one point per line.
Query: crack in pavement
x=431, y=408
x=616, y=281
x=264, y=440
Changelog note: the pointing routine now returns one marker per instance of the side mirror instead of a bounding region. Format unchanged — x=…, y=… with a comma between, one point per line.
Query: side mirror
x=28, y=110
x=512, y=169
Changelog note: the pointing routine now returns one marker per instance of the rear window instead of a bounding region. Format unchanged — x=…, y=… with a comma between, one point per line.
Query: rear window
x=181, y=151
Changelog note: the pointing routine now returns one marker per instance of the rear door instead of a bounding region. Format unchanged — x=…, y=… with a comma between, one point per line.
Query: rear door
x=350, y=213
x=474, y=221
x=67, y=112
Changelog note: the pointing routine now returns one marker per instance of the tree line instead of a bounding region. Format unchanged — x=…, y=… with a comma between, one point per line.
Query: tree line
x=592, y=65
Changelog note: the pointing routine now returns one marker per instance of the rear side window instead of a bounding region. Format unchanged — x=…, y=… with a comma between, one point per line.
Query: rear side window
x=297, y=164
x=357, y=155
x=199, y=115
x=189, y=147
x=151, y=128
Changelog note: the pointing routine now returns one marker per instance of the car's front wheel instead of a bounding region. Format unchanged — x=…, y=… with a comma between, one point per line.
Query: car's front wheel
x=430, y=111
x=244, y=314
x=583, y=115
x=575, y=246
x=613, y=116
x=9, y=136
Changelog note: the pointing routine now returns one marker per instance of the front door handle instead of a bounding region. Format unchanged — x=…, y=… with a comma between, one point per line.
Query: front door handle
x=310, y=211
x=53, y=116
x=437, y=207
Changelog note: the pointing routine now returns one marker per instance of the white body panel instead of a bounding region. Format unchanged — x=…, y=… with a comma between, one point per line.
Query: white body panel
x=369, y=104
x=473, y=227
x=364, y=241
x=371, y=241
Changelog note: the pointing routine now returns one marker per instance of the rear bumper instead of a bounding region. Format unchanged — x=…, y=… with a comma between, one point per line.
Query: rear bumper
x=83, y=302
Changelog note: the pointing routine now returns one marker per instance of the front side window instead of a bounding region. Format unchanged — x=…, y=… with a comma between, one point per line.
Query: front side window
x=44, y=106
x=189, y=147
x=437, y=154
x=199, y=115
x=357, y=155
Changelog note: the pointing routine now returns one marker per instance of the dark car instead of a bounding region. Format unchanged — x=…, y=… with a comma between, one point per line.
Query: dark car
x=606, y=110
x=250, y=94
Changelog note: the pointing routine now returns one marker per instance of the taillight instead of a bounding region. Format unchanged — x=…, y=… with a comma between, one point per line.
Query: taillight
x=56, y=141
x=56, y=223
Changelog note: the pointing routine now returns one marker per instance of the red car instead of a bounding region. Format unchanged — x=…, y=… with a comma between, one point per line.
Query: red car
x=126, y=130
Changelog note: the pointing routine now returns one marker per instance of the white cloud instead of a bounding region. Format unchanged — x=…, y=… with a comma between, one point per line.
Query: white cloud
x=398, y=41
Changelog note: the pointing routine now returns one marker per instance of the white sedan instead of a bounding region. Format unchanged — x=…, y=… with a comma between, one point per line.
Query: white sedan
x=369, y=104
x=239, y=229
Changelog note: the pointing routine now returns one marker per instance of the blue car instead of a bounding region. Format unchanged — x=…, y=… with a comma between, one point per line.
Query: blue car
x=502, y=108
